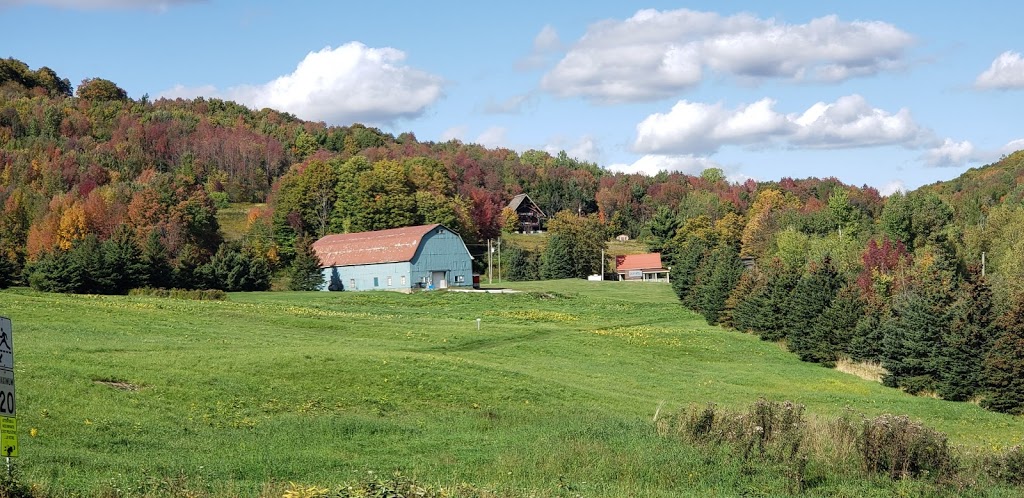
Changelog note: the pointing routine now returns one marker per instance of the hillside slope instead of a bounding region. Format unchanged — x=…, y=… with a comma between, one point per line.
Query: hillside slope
x=557, y=388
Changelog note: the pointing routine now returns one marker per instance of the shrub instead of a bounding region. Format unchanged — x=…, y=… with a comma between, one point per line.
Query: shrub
x=192, y=294
x=896, y=446
x=1009, y=467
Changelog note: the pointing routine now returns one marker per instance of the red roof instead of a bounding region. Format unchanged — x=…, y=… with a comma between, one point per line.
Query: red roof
x=650, y=261
x=366, y=248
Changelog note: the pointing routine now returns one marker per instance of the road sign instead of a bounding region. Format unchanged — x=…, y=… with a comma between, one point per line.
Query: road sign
x=8, y=422
x=6, y=345
x=7, y=394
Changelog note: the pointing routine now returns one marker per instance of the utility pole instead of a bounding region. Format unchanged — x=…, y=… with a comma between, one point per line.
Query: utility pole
x=602, y=264
x=499, y=259
x=490, y=270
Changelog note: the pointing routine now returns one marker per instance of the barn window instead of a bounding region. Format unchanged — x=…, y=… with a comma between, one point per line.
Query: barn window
x=459, y=278
x=375, y=282
x=389, y=280
x=351, y=283
x=403, y=280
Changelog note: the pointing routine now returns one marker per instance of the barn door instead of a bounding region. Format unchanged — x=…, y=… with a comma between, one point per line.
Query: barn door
x=438, y=280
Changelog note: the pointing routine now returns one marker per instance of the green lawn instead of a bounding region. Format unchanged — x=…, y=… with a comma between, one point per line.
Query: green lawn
x=554, y=395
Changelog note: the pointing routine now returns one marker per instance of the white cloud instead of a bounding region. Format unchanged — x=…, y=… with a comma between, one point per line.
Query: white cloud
x=511, y=105
x=698, y=128
x=454, y=133
x=1005, y=73
x=955, y=154
x=851, y=122
x=652, y=164
x=547, y=40
x=584, y=149
x=351, y=83
x=951, y=153
x=892, y=187
x=158, y=5
x=545, y=44
x=1012, y=146
x=184, y=92
x=493, y=137
x=656, y=54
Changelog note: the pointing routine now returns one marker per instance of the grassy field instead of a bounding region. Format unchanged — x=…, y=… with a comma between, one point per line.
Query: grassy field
x=537, y=242
x=553, y=396
x=234, y=219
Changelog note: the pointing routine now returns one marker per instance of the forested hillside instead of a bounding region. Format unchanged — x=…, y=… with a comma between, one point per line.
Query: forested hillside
x=102, y=193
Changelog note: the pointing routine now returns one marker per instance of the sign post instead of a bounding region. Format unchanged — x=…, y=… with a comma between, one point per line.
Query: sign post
x=8, y=415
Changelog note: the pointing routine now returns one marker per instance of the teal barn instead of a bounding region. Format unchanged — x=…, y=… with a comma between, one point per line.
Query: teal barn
x=397, y=259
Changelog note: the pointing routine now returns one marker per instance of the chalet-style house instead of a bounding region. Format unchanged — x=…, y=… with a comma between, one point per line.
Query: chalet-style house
x=530, y=215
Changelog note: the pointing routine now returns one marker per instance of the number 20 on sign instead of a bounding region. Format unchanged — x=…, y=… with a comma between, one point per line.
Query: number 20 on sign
x=8, y=415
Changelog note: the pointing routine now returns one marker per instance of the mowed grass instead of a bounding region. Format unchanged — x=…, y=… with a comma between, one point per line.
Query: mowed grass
x=554, y=395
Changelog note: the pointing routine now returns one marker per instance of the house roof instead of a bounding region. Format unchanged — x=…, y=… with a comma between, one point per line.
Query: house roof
x=518, y=200
x=366, y=248
x=650, y=261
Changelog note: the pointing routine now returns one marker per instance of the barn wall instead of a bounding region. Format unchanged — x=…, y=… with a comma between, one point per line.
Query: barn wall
x=360, y=277
x=443, y=250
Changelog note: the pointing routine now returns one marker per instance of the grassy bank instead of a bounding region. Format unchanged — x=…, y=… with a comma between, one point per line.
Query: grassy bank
x=554, y=395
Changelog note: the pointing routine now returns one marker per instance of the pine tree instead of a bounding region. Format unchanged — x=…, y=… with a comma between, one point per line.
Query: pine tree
x=811, y=296
x=123, y=260
x=744, y=301
x=1003, y=370
x=920, y=320
x=748, y=283
x=721, y=272
x=832, y=332
x=305, y=271
x=687, y=259
x=557, y=260
x=967, y=341
x=158, y=271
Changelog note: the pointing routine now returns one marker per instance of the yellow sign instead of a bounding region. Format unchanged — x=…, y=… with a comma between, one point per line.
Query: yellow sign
x=8, y=437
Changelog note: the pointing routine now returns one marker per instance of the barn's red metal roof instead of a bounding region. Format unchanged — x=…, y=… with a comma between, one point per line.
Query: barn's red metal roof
x=650, y=261
x=394, y=245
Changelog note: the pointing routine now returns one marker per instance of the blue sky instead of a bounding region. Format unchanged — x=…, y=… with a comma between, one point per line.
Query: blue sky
x=889, y=94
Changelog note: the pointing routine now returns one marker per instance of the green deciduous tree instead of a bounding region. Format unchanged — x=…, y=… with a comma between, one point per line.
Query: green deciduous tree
x=575, y=246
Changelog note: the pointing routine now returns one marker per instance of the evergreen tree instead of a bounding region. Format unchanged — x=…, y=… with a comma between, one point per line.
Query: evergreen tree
x=967, y=341
x=720, y=272
x=1003, y=370
x=523, y=265
x=662, y=228
x=832, y=333
x=335, y=284
x=557, y=260
x=765, y=310
x=811, y=296
x=305, y=271
x=866, y=343
x=744, y=301
x=56, y=272
x=97, y=277
x=123, y=261
x=687, y=258
x=7, y=271
x=919, y=322
x=748, y=283
x=189, y=269
x=158, y=272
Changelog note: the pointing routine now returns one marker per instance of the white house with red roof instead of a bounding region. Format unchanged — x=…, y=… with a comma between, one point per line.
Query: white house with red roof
x=641, y=267
x=427, y=256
